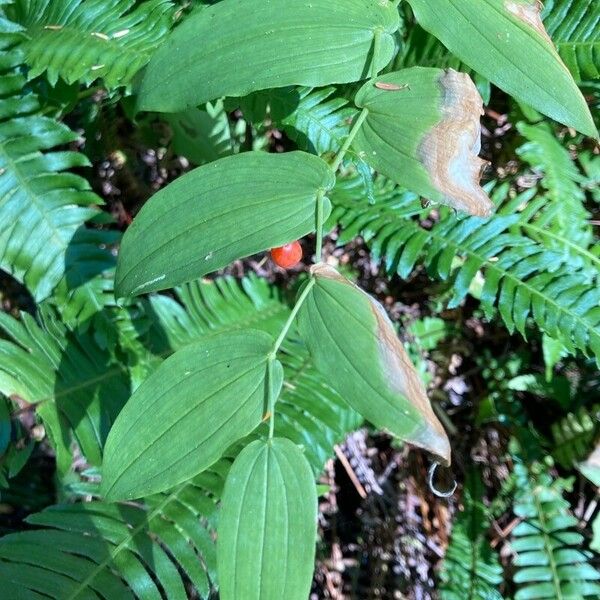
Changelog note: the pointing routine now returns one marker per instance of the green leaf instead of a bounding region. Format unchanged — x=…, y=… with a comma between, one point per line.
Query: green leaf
x=505, y=41
x=422, y=130
x=78, y=390
x=268, y=524
x=354, y=344
x=231, y=208
x=83, y=40
x=42, y=205
x=187, y=413
x=201, y=135
x=573, y=27
x=239, y=46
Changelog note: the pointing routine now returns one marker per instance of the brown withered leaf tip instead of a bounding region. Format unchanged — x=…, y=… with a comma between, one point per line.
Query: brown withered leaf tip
x=450, y=151
x=400, y=371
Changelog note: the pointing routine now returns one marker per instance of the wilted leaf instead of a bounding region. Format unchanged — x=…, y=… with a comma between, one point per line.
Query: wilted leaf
x=239, y=46
x=187, y=413
x=268, y=524
x=505, y=41
x=354, y=344
x=217, y=213
x=423, y=131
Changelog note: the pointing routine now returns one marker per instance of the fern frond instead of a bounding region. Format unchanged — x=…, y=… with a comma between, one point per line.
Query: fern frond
x=549, y=562
x=560, y=213
x=148, y=550
x=471, y=569
x=574, y=435
x=316, y=119
x=84, y=40
x=522, y=277
x=42, y=205
x=573, y=25
x=77, y=389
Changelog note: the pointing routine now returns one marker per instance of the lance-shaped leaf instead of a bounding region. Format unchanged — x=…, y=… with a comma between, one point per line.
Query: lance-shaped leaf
x=238, y=46
x=188, y=412
x=505, y=41
x=268, y=524
x=422, y=130
x=354, y=344
x=228, y=209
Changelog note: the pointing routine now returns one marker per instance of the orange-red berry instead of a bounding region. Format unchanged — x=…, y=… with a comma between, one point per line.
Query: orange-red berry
x=288, y=255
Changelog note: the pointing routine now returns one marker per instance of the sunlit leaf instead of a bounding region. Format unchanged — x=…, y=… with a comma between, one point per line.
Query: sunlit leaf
x=353, y=343
x=505, y=41
x=239, y=46
x=228, y=209
x=422, y=130
x=188, y=412
x=267, y=528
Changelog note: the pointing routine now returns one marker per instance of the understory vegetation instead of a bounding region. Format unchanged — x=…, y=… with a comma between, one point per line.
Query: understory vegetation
x=498, y=308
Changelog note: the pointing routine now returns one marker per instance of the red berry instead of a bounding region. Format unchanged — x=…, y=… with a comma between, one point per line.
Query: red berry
x=288, y=255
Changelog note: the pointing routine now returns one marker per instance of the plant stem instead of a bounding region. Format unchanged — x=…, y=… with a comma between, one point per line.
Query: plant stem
x=319, y=232
x=292, y=316
x=337, y=161
x=271, y=397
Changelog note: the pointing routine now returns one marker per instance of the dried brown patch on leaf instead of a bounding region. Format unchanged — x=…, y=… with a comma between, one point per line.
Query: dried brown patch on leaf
x=401, y=375
x=450, y=151
x=529, y=12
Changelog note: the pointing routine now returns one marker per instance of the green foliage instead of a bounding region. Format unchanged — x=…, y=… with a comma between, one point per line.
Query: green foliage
x=247, y=214
x=119, y=551
x=573, y=436
x=269, y=503
x=471, y=569
x=84, y=40
x=353, y=342
x=573, y=27
x=548, y=559
x=213, y=370
x=38, y=193
x=76, y=387
x=521, y=277
x=213, y=392
x=195, y=63
x=497, y=40
x=316, y=119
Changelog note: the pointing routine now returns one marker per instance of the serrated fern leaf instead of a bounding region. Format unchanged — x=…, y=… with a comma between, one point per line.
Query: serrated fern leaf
x=560, y=212
x=42, y=205
x=574, y=26
x=78, y=392
x=574, y=435
x=522, y=278
x=548, y=559
x=96, y=550
x=316, y=119
x=471, y=569
x=83, y=40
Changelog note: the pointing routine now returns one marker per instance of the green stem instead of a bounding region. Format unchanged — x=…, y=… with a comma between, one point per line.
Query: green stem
x=271, y=397
x=292, y=316
x=319, y=232
x=337, y=161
